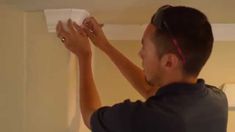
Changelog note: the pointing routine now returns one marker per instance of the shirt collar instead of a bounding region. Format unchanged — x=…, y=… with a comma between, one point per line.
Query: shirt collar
x=180, y=88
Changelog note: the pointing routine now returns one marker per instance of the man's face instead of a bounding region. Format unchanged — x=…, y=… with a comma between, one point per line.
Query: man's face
x=150, y=59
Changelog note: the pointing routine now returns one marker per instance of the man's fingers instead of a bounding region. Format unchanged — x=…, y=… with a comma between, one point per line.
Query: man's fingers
x=70, y=26
x=89, y=32
x=58, y=28
x=79, y=29
x=87, y=20
x=62, y=34
x=90, y=22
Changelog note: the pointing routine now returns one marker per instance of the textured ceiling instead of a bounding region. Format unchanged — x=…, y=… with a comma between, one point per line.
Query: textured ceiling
x=131, y=11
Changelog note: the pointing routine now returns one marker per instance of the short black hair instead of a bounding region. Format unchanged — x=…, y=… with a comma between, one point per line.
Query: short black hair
x=186, y=32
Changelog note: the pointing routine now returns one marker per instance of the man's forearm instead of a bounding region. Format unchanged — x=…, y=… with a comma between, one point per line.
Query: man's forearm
x=131, y=72
x=89, y=97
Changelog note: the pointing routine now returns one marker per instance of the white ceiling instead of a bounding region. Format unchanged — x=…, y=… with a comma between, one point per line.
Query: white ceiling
x=131, y=11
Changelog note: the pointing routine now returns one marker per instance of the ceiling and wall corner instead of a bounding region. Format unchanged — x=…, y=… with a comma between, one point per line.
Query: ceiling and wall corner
x=130, y=11
x=133, y=14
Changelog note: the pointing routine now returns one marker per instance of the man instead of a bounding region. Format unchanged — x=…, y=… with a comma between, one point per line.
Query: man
x=175, y=46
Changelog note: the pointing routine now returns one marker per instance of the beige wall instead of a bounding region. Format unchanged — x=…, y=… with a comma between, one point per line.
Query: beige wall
x=36, y=93
x=37, y=90
x=11, y=70
x=47, y=73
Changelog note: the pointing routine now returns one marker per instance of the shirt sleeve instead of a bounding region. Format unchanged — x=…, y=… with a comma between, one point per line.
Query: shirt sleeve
x=117, y=118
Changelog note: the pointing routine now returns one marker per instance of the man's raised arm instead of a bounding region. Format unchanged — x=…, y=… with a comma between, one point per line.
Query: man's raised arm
x=130, y=71
x=77, y=42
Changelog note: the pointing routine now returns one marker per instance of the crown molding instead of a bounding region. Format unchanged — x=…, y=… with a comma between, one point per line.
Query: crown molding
x=221, y=32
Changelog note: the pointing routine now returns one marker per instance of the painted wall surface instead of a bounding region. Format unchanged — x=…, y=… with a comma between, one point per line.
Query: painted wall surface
x=47, y=73
x=36, y=88
x=11, y=70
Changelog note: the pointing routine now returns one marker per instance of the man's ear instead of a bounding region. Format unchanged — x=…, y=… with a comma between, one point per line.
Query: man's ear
x=170, y=61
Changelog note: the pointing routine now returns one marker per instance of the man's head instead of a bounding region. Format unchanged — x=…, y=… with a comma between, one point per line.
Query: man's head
x=182, y=40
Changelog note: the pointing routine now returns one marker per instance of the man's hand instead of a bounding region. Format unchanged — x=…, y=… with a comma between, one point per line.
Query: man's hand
x=94, y=31
x=75, y=39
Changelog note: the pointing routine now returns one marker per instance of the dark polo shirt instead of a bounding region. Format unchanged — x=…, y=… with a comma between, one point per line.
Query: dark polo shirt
x=177, y=107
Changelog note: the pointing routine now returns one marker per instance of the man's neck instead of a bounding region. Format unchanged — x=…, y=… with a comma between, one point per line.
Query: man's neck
x=185, y=79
